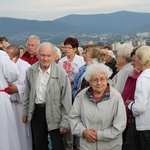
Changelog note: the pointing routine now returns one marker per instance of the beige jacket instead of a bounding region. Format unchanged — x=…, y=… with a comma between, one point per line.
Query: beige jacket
x=107, y=116
x=58, y=96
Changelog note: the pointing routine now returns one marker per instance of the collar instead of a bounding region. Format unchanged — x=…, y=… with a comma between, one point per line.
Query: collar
x=26, y=54
x=106, y=96
x=47, y=71
x=75, y=59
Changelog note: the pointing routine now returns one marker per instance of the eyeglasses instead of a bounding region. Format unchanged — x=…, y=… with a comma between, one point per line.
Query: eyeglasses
x=68, y=47
x=62, y=47
x=117, y=56
x=100, y=79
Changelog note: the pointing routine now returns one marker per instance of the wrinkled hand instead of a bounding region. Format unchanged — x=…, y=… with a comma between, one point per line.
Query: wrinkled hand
x=128, y=102
x=12, y=89
x=24, y=119
x=63, y=130
x=90, y=135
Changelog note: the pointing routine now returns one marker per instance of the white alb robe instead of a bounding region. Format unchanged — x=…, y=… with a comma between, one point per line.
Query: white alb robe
x=16, y=99
x=9, y=139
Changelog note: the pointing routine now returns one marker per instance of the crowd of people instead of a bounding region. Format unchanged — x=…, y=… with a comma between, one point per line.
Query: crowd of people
x=71, y=97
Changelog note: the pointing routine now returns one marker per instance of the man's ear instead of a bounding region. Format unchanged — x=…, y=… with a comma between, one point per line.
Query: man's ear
x=37, y=56
x=90, y=82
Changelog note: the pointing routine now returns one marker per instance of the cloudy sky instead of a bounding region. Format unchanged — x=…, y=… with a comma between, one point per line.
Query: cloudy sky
x=53, y=9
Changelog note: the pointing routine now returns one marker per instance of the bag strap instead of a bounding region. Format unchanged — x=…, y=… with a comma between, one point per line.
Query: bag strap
x=131, y=114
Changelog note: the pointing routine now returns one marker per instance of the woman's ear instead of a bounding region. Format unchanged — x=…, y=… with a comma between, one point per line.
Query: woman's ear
x=90, y=83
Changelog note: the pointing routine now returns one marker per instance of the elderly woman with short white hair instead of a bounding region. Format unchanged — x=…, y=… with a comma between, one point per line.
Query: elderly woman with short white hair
x=123, y=59
x=98, y=114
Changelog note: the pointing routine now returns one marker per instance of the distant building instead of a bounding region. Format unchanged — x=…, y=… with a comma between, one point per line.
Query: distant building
x=143, y=34
x=114, y=46
x=141, y=43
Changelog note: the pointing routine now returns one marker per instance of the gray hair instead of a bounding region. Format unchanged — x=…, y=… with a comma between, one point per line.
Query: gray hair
x=97, y=67
x=33, y=37
x=110, y=53
x=125, y=50
x=48, y=44
x=143, y=53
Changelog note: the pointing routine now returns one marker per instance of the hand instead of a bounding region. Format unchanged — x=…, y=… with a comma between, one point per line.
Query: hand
x=12, y=88
x=128, y=102
x=63, y=130
x=90, y=135
x=24, y=119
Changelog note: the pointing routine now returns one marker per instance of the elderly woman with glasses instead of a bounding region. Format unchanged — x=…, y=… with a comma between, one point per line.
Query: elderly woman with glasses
x=98, y=114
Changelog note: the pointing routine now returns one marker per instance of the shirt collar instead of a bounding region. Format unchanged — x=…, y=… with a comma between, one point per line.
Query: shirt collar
x=47, y=71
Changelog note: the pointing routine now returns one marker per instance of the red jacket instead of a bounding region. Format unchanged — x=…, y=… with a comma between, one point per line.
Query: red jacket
x=128, y=91
x=29, y=59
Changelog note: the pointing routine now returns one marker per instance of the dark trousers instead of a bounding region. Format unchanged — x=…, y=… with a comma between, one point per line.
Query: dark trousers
x=144, y=140
x=40, y=131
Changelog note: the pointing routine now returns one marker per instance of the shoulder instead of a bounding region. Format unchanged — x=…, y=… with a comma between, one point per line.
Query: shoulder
x=78, y=60
x=3, y=54
x=33, y=67
x=57, y=70
x=114, y=92
x=83, y=67
x=77, y=57
x=60, y=62
x=145, y=73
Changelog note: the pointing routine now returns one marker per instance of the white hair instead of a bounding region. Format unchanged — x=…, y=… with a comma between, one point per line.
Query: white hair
x=143, y=53
x=110, y=53
x=33, y=37
x=97, y=67
x=125, y=49
x=48, y=44
x=58, y=52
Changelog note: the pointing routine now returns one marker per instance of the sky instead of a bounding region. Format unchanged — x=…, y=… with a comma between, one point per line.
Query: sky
x=54, y=9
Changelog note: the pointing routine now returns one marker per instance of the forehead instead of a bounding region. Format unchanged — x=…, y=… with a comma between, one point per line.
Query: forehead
x=32, y=40
x=45, y=49
x=98, y=74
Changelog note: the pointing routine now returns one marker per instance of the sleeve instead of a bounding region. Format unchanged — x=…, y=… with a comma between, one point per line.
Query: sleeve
x=118, y=124
x=121, y=78
x=21, y=82
x=9, y=69
x=66, y=100
x=75, y=121
x=26, y=95
x=141, y=98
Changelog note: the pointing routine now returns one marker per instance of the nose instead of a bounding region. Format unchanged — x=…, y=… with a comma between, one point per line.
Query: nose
x=45, y=57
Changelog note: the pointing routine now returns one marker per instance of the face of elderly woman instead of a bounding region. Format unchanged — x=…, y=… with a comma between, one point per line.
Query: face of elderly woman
x=98, y=82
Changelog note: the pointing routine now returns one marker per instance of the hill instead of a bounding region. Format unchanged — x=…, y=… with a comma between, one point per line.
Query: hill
x=123, y=22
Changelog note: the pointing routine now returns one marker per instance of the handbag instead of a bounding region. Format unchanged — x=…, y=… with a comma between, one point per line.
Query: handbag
x=131, y=139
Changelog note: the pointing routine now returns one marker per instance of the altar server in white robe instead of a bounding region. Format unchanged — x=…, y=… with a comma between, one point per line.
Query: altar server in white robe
x=9, y=139
x=16, y=90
